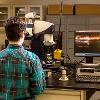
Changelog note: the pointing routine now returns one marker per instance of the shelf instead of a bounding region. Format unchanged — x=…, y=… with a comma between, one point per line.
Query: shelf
x=3, y=20
x=3, y=13
x=1, y=29
x=20, y=13
x=21, y=16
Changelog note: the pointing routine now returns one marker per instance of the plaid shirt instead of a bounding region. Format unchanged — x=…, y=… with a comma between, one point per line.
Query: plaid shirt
x=21, y=74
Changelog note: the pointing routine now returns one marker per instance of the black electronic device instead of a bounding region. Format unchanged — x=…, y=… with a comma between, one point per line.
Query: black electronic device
x=87, y=44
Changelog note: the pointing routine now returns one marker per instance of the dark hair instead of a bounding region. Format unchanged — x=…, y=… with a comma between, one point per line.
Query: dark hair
x=13, y=27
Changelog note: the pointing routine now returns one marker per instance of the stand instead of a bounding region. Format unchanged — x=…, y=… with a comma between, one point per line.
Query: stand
x=89, y=59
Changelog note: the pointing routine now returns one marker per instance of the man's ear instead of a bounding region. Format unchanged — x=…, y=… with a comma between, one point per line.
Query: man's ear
x=22, y=35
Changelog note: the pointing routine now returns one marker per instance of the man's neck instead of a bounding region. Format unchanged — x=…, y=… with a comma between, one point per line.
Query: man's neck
x=16, y=42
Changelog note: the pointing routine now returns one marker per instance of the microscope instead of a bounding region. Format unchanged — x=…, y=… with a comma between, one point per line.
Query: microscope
x=41, y=36
x=49, y=45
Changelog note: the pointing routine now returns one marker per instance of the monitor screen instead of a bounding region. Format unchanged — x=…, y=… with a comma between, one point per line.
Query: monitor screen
x=87, y=43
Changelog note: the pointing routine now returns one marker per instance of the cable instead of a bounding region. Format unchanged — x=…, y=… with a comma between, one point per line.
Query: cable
x=60, y=20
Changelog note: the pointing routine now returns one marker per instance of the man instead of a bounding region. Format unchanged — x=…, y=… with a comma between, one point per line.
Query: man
x=21, y=73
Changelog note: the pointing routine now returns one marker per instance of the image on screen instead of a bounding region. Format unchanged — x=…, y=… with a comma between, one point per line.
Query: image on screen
x=87, y=43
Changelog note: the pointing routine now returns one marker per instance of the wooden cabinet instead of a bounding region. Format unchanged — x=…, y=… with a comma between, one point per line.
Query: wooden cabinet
x=61, y=94
x=4, y=14
x=7, y=11
x=38, y=9
x=19, y=10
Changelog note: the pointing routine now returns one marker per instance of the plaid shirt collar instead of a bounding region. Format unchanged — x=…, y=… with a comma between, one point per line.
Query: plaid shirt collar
x=15, y=46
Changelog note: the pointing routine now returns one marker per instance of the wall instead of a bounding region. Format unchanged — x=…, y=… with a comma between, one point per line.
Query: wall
x=46, y=2
x=69, y=24
x=21, y=2
x=73, y=1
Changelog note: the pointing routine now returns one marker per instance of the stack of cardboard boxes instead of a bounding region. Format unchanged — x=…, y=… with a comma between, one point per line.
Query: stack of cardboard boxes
x=77, y=9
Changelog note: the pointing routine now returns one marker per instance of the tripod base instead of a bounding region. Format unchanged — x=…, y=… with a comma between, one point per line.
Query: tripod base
x=63, y=78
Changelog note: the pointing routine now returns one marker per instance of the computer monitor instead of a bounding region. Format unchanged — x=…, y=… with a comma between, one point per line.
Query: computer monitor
x=87, y=44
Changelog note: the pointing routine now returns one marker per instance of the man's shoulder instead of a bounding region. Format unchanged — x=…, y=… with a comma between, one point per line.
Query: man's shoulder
x=3, y=53
x=31, y=55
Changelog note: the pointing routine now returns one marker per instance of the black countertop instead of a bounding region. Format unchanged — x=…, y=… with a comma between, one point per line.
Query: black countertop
x=54, y=82
x=89, y=87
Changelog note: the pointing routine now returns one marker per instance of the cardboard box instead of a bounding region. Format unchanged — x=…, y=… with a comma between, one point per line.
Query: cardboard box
x=87, y=9
x=56, y=9
x=53, y=9
x=68, y=9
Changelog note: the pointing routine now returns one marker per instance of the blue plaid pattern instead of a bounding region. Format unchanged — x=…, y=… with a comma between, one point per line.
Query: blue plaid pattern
x=21, y=74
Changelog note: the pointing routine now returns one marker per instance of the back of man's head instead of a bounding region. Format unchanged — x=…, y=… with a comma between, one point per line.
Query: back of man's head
x=13, y=28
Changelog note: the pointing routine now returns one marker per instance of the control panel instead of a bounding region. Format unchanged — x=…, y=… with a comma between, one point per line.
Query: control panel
x=88, y=73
